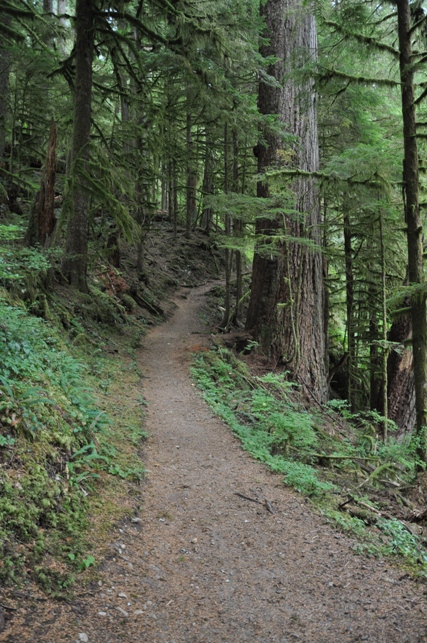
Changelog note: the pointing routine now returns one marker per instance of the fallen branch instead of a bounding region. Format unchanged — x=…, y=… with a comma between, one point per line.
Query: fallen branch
x=267, y=504
x=247, y=498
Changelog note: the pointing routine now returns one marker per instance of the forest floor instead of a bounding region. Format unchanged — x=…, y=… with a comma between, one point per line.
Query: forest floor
x=195, y=562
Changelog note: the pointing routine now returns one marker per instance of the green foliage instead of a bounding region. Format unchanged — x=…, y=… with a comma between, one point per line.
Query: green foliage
x=395, y=459
x=20, y=267
x=263, y=416
x=404, y=543
x=45, y=415
x=347, y=523
x=53, y=450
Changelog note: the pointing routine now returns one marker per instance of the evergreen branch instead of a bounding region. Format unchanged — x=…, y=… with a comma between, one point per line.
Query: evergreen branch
x=7, y=31
x=122, y=15
x=416, y=25
x=390, y=15
x=421, y=97
x=12, y=10
x=420, y=62
x=125, y=58
x=26, y=184
x=111, y=90
x=367, y=40
x=376, y=181
x=334, y=73
x=32, y=33
x=100, y=132
x=65, y=68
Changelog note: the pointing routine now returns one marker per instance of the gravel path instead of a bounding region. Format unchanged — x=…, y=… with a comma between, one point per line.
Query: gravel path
x=202, y=564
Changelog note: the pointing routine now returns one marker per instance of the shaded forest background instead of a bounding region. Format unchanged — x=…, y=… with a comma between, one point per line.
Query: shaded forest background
x=113, y=114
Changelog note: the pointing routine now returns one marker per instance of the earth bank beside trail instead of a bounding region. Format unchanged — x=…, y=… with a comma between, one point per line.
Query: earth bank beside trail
x=195, y=562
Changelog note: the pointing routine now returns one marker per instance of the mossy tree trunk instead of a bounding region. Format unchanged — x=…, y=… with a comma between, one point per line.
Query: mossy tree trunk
x=413, y=223
x=76, y=249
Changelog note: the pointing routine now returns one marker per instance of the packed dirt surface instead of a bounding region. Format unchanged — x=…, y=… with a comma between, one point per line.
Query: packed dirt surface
x=200, y=563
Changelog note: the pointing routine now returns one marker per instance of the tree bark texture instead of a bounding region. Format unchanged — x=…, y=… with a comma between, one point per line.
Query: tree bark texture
x=208, y=183
x=191, y=190
x=413, y=222
x=401, y=389
x=286, y=305
x=76, y=250
x=349, y=289
x=42, y=218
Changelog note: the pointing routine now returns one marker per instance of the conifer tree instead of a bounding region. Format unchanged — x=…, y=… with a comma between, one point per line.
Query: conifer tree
x=286, y=306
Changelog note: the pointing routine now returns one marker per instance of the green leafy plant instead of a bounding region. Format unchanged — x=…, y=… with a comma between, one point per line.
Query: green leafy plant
x=403, y=542
x=260, y=412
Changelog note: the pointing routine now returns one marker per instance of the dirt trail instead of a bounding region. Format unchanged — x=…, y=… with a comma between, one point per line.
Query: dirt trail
x=205, y=565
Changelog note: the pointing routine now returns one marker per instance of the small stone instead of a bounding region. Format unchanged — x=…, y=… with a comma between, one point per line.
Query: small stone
x=122, y=595
x=122, y=611
x=83, y=637
x=138, y=612
x=194, y=540
x=102, y=613
x=136, y=520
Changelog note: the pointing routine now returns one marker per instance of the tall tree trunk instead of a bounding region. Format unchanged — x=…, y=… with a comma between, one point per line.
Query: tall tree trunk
x=414, y=223
x=227, y=231
x=4, y=90
x=349, y=289
x=208, y=183
x=191, y=201
x=76, y=249
x=286, y=305
x=238, y=229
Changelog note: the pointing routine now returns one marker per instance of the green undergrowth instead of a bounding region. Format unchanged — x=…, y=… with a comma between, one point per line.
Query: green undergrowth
x=331, y=459
x=59, y=443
